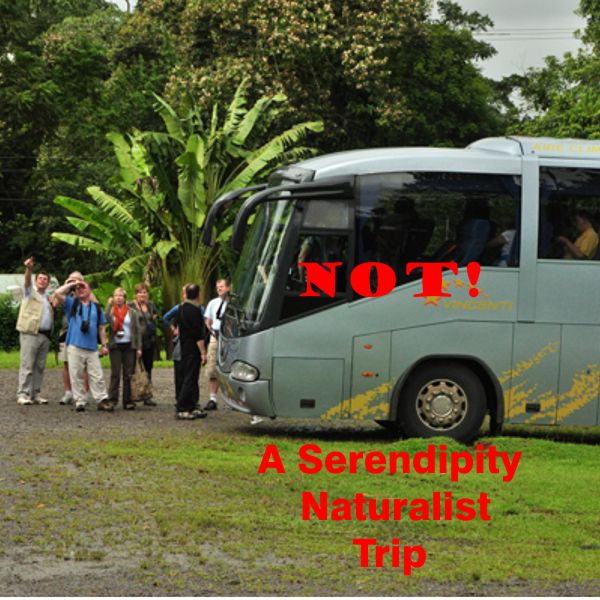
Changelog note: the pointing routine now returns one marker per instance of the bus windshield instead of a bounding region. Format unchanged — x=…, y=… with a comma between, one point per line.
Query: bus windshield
x=257, y=267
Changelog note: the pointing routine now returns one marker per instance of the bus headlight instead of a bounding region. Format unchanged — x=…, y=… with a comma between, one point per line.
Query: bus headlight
x=243, y=371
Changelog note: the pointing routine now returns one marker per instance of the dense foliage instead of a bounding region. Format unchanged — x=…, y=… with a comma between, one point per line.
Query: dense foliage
x=9, y=336
x=376, y=72
x=62, y=87
x=563, y=98
x=168, y=180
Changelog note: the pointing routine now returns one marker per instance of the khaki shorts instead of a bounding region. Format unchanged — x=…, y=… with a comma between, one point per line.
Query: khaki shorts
x=62, y=352
x=211, y=358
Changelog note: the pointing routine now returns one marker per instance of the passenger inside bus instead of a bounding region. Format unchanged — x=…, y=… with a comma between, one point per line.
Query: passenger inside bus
x=586, y=244
x=503, y=244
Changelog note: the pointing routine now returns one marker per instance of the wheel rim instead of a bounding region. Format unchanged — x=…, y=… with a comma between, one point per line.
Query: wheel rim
x=442, y=404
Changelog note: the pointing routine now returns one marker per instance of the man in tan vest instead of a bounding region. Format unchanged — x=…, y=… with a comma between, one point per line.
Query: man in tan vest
x=34, y=325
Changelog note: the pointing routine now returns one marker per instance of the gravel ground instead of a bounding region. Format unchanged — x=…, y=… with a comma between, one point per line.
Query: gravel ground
x=27, y=572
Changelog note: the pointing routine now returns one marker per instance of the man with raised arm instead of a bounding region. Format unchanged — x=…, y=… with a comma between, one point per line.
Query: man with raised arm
x=86, y=325
x=34, y=325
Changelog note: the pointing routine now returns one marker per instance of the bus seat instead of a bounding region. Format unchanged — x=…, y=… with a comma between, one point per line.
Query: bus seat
x=471, y=239
x=546, y=235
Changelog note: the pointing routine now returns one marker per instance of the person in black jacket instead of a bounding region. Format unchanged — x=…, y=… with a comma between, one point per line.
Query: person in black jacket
x=193, y=353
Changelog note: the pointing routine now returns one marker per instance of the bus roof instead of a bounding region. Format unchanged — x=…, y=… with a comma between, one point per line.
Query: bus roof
x=496, y=154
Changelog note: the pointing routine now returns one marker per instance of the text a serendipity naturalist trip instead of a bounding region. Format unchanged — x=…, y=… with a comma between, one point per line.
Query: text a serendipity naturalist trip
x=439, y=506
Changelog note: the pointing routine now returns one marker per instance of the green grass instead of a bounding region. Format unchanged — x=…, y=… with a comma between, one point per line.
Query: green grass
x=198, y=496
x=10, y=360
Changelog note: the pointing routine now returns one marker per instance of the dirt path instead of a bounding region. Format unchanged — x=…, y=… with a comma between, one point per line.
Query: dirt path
x=27, y=570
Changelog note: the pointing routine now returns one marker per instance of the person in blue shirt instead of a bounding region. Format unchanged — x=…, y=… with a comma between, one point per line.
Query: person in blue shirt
x=86, y=325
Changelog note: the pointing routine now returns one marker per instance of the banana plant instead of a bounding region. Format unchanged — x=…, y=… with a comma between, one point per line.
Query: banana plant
x=168, y=180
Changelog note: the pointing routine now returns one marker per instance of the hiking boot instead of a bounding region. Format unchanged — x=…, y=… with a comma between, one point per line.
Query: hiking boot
x=67, y=398
x=24, y=400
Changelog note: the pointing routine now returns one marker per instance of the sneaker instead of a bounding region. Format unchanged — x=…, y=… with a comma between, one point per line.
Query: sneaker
x=211, y=405
x=23, y=400
x=106, y=405
x=40, y=400
x=199, y=413
x=67, y=398
x=256, y=420
x=129, y=406
x=185, y=415
x=149, y=402
x=80, y=406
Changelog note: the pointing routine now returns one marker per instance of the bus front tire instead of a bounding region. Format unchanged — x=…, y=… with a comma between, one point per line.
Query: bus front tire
x=442, y=399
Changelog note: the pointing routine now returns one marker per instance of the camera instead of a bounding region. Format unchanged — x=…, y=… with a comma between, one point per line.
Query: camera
x=85, y=326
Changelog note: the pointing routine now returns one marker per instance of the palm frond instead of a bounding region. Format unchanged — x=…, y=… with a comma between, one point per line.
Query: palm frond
x=80, y=241
x=85, y=226
x=128, y=171
x=271, y=153
x=87, y=212
x=252, y=116
x=112, y=207
x=236, y=110
x=170, y=119
x=129, y=265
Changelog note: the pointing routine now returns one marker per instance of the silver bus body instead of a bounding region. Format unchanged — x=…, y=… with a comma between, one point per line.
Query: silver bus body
x=531, y=337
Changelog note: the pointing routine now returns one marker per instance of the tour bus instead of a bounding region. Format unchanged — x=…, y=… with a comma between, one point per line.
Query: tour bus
x=525, y=349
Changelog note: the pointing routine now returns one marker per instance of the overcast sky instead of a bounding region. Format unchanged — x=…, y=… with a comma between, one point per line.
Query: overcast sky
x=525, y=31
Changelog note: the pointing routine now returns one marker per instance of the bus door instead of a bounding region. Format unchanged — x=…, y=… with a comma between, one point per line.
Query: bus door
x=565, y=342
x=310, y=356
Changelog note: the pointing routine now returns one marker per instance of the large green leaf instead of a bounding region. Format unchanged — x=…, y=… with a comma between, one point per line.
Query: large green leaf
x=86, y=211
x=80, y=241
x=112, y=207
x=236, y=109
x=164, y=248
x=128, y=171
x=132, y=264
x=271, y=152
x=171, y=119
x=252, y=116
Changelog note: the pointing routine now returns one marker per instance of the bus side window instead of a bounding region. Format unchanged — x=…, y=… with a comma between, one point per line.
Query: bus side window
x=569, y=214
x=445, y=216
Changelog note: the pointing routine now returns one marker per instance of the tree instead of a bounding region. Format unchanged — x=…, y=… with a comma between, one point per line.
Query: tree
x=53, y=61
x=66, y=79
x=563, y=98
x=168, y=180
x=377, y=72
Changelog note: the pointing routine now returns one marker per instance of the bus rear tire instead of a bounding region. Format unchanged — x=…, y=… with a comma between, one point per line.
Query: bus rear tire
x=442, y=399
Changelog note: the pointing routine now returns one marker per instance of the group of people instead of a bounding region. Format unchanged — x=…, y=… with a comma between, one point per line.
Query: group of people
x=131, y=341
